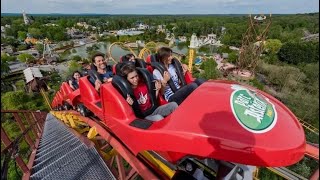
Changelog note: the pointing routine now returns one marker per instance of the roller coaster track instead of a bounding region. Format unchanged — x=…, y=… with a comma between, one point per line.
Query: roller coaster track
x=119, y=159
x=286, y=173
x=309, y=127
x=149, y=48
x=113, y=151
x=123, y=46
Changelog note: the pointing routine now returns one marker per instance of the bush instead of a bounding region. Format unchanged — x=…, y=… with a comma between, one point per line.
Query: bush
x=210, y=70
x=299, y=52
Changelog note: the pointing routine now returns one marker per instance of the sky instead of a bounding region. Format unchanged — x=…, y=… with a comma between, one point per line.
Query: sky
x=160, y=6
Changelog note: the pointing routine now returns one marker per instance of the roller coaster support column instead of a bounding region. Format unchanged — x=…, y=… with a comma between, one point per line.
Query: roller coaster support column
x=45, y=98
x=192, y=50
x=192, y=53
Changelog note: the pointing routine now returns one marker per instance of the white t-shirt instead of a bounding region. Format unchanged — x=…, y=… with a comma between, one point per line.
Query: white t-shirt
x=173, y=75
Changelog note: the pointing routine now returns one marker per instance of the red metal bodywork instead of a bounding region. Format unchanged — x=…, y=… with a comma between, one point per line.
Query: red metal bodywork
x=59, y=98
x=74, y=97
x=203, y=126
x=66, y=90
x=90, y=96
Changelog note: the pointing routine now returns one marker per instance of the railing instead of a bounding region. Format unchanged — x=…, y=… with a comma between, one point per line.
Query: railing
x=30, y=124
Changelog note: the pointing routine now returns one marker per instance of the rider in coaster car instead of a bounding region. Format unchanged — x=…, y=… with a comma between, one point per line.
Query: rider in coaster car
x=131, y=59
x=142, y=95
x=177, y=93
x=100, y=71
x=74, y=81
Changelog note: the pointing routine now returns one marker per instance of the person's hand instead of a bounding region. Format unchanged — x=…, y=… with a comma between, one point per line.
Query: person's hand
x=184, y=68
x=97, y=84
x=166, y=76
x=109, y=79
x=129, y=100
x=157, y=85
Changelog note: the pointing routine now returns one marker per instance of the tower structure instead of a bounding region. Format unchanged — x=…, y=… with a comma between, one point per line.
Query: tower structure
x=194, y=45
x=26, y=19
x=253, y=42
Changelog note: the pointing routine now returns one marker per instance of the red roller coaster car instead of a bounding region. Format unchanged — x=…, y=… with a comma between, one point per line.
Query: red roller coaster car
x=220, y=120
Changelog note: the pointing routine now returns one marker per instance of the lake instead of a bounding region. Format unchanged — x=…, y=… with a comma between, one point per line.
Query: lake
x=117, y=51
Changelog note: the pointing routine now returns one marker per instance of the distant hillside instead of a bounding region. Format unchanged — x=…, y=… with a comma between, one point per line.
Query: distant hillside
x=92, y=14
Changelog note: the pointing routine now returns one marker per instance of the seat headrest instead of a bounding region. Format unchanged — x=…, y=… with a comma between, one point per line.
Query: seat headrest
x=140, y=63
x=124, y=88
x=176, y=63
x=94, y=75
x=161, y=68
x=154, y=57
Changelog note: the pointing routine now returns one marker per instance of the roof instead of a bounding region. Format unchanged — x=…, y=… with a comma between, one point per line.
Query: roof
x=30, y=73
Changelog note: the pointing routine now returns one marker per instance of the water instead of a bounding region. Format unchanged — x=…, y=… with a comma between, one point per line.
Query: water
x=117, y=51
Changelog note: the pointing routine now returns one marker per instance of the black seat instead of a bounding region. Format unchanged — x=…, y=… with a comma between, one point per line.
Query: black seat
x=139, y=63
x=123, y=86
x=161, y=68
x=94, y=75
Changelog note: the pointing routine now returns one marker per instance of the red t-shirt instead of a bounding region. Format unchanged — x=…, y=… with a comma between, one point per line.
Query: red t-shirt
x=142, y=96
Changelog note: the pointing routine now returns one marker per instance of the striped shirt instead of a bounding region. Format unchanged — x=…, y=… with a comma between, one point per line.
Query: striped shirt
x=173, y=75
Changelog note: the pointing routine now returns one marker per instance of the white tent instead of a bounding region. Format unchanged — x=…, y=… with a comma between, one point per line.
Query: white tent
x=30, y=73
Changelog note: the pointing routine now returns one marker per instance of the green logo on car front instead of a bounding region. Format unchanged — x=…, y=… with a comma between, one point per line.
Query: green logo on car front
x=253, y=111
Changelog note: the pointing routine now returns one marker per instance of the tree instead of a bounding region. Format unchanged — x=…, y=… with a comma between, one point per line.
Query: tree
x=299, y=52
x=4, y=68
x=27, y=58
x=6, y=58
x=76, y=58
x=22, y=35
x=273, y=46
x=14, y=100
x=210, y=69
x=22, y=47
x=39, y=47
x=35, y=32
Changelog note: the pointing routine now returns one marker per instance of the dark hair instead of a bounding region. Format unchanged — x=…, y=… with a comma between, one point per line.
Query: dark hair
x=164, y=52
x=126, y=69
x=96, y=55
x=126, y=57
x=76, y=72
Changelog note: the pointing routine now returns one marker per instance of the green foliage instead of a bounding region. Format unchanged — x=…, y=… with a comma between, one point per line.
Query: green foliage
x=224, y=49
x=4, y=67
x=210, y=70
x=254, y=82
x=73, y=66
x=20, y=85
x=299, y=52
x=22, y=35
x=14, y=100
x=76, y=58
x=303, y=167
x=20, y=100
x=270, y=58
x=204, y=49
x=273, y=46
x=233, y=57
x=267, y=174
x=39, y=47
x=297, y=90
x=22, y=47
x=35, y=32
x=7, y=58
x=27, y=58
x=10, y=41
x=54, y=81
